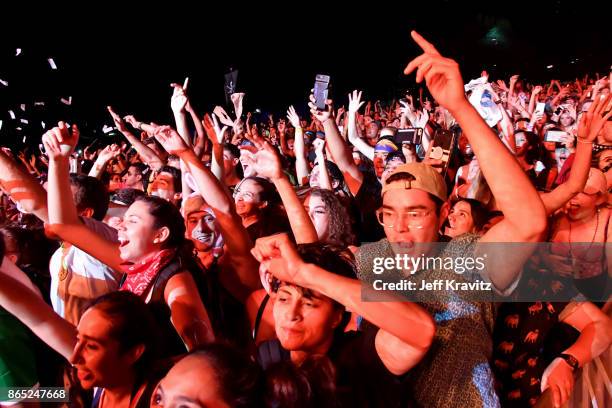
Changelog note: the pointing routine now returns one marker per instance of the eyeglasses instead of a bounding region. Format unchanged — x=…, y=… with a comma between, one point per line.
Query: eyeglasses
x=246, y=195
x=414, y=219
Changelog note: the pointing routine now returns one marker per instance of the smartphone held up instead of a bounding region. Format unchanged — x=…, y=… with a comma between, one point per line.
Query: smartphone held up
x=321, y=91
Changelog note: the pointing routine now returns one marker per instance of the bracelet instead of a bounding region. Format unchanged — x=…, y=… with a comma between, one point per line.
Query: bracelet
x=579, y=140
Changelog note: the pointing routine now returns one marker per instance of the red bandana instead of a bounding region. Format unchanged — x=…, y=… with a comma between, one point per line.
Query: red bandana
x=140, y=275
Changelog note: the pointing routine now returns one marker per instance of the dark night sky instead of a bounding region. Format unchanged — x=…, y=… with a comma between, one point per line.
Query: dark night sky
x=109, y=56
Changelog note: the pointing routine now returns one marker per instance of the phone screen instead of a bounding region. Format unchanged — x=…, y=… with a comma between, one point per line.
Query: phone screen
x=321, y=91
x=410, y=135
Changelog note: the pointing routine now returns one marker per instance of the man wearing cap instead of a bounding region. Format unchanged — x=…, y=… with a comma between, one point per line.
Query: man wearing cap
x=456, y=371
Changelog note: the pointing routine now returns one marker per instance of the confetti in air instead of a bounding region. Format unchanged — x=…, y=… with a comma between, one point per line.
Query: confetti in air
x=67, y=101
x=3, y=82
x=52, y=63
x=12, y=114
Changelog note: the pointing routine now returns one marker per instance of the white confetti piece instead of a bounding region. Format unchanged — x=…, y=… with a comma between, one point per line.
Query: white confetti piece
x=25, y=121
x=3, y=82
x=52, y=63
x=18, y=128
x=185, y=84
x=107, y=129
x=42, y=124
x=39, y=104
x=12, y=114
x=67, y=101
x=549, y=66
x=24, y=139
x=18, y=52
x=22, y=106
x=0, y=124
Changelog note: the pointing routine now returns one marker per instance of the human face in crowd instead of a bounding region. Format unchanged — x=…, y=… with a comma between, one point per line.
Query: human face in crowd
x=247, y=198
x=521, y=143
x=290, y=144
x=174, y=391
x=566, y=119
x=410, y=221
x=314, y=180
x=137, y=237
x=304, y=320
x=132, y=178
x=229, y=162
x=97, y=356
x=356, y=158
x=247, y=159
x=390, y=166
x=114, y=166
x=201, y=230
x=561, y=155
x=379, y=163
x=582, y=206
x=371, y=133
x=163, y=186
x=605, y=160
x=460, y=220
x=319, y=215
x=115, y=182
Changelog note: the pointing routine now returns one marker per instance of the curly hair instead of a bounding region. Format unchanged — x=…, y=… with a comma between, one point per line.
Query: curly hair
x=340, y=226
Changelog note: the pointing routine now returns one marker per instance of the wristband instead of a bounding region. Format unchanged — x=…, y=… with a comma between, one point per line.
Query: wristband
x=571, y=361
x=579, y=140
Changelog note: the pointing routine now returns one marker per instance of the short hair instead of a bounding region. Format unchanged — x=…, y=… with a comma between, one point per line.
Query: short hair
x=233, y=149
x=90, y=193
x=176, y=177
x=398, y=154
x=127, y=196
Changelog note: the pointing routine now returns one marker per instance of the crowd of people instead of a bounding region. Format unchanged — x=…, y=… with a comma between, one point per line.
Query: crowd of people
x=222, y=261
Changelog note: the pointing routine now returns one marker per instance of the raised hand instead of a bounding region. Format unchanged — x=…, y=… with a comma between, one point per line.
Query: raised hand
x=109, y=152
x=502, y=85
x=513, y=79
x=293, y=117
x=179, y=99
x=278, y=256
x=170, y=140
x=117, y=119
x=319, y=145
x=321, y=116
x=441, y=75
x=355, y=102
x=132, y=121
x=60, y=141
x=219, y=132
x=537, y=89
x=267, y=161
x=592, y=121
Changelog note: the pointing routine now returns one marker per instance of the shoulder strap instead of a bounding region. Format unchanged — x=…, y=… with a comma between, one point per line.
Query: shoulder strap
x=162, y=278
x=260, y=312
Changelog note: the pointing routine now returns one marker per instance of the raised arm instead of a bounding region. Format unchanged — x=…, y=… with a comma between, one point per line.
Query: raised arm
x=301, y=164
x=589, y=127
x=324, y=180
x=23, y=188
x=406, y=330
x=108, y=153
x=63, y=220
x=268, y=165
x=353, y=135
x=239, y=267
x=32, y=311
x=340, y=151
x=595, y=337
x=177, y=103
x=148, y=155
x=514, y=193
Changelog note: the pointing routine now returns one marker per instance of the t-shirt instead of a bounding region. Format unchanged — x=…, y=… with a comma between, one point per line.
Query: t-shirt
x=83, y=279
x=455, y=372
x=362, y=380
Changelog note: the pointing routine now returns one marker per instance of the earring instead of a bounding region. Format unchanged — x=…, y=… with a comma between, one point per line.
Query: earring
x=155, y=241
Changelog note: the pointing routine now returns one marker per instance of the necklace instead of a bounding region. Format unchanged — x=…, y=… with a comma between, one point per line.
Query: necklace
x=569, y=239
